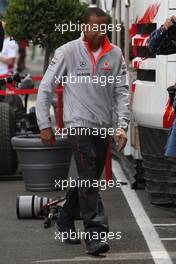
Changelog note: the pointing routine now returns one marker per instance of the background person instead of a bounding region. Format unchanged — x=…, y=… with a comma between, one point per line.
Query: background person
x=87, y=105
x=8, y=55
x=163, y=42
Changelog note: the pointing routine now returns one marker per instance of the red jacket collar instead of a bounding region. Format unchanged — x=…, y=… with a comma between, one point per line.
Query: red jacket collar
x=106, y=44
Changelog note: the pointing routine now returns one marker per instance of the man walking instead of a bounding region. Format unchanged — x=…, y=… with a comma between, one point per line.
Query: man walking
x=87, y=105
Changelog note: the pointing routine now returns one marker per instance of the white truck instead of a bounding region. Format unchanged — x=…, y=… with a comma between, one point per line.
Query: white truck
x=150, y=117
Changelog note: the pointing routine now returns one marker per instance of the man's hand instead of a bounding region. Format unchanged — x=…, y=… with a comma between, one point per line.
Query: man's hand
x=121, y=139
x=47, y=136
x=169, y=22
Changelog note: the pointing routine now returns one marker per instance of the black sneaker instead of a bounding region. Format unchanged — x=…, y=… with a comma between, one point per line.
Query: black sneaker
x=96, y=247
x=69, y=228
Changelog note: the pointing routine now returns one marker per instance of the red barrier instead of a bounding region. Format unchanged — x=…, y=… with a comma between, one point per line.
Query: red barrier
x=19, y=92
x=37, y=78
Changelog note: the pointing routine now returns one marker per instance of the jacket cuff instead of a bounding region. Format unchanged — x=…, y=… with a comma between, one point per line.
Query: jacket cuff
x=44, y=125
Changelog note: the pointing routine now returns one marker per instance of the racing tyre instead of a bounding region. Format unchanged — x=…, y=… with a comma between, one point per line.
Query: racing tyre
x=8, y=157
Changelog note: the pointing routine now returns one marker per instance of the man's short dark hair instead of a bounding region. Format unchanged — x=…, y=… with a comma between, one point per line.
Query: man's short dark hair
x=93, y=11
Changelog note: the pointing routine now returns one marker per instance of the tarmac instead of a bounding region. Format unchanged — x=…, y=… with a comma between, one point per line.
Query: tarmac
x=26, y=241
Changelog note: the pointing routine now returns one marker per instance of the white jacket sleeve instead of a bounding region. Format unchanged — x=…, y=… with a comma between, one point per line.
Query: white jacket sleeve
x=121, y=111
x=56, y=70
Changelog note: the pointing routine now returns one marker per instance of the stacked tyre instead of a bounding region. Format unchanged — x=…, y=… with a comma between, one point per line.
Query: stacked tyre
x=159, y=171
x=8, y=157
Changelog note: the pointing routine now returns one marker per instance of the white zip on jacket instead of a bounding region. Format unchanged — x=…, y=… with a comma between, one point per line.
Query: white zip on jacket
x=92, y=102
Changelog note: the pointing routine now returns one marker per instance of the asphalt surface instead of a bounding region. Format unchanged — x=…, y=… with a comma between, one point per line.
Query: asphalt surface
x=27, y=242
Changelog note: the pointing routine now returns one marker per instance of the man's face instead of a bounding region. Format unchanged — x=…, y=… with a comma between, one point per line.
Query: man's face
x=95, y=31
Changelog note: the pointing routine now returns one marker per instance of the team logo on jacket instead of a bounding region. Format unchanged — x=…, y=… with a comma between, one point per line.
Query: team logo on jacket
x=82, y=64
x=106, y=66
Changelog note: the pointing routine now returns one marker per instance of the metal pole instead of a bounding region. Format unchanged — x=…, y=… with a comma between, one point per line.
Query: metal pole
x=114, y=21
x=127, y=6
x=118, y=20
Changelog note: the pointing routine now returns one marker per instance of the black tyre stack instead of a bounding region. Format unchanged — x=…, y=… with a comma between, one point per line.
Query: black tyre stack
x=159, y=171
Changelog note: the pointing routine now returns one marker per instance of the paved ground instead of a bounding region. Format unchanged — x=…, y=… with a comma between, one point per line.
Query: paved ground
x=27, y=242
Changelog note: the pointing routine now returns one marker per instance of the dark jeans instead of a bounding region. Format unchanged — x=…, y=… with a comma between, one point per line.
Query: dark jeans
x=90, y=155
x=170, y=148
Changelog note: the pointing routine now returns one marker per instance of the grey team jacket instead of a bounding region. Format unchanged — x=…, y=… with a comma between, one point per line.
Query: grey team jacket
x=86, y=103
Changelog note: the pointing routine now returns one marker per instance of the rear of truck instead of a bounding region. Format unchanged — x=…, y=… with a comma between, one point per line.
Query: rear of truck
x=151, y=114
